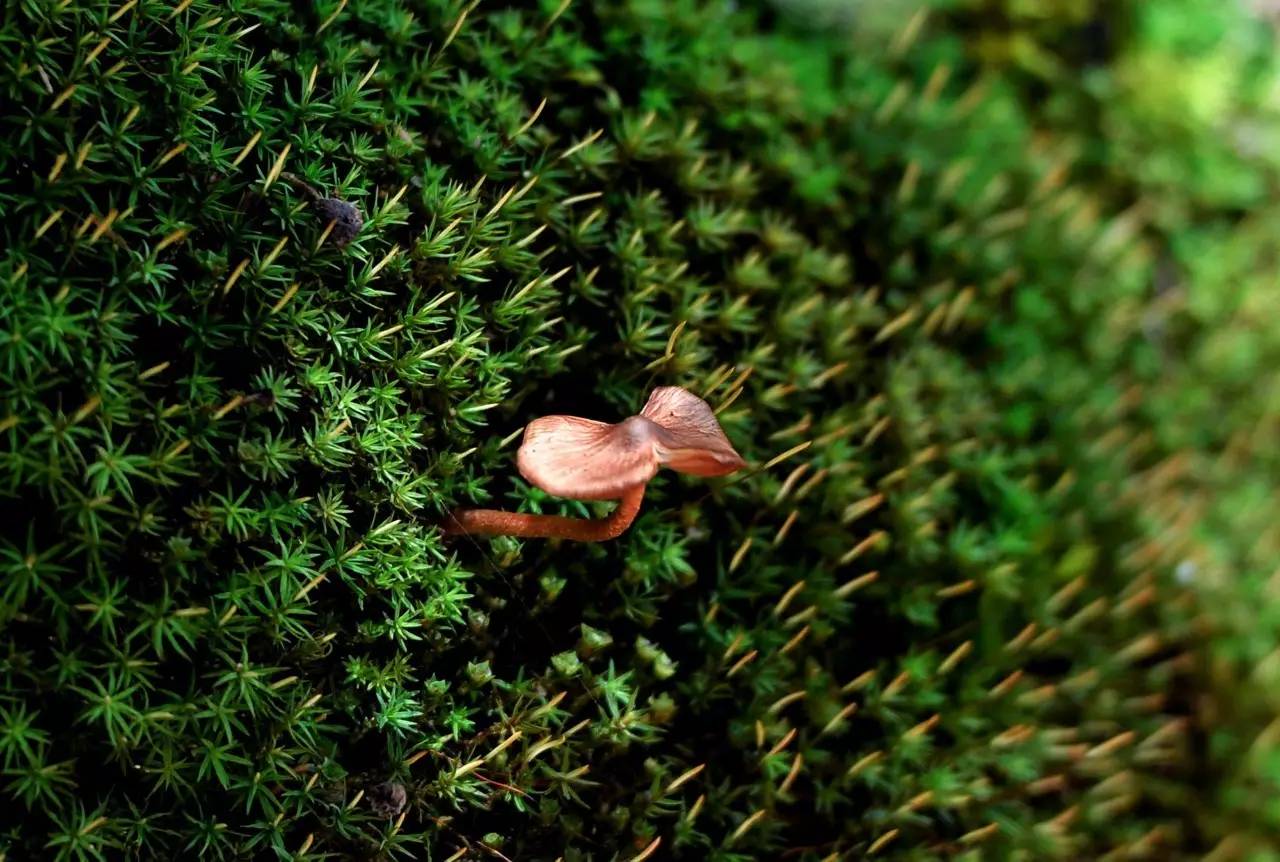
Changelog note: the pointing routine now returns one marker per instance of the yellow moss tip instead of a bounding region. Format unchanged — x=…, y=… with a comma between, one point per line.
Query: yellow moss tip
x=882, y=842
x=647, y=851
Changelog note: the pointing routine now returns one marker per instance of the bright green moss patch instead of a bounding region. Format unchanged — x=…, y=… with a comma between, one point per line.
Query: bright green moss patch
x=929, y=621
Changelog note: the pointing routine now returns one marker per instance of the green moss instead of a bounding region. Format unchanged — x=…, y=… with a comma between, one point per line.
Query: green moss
x=932, y=618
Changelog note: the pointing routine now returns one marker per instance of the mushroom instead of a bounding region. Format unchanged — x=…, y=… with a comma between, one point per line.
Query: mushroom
x=387, y=799
x=584, y=459
x=344, y=216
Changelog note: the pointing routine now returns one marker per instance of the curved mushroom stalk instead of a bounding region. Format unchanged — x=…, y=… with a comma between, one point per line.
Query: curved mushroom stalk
x=583, y=459
x=496, y=522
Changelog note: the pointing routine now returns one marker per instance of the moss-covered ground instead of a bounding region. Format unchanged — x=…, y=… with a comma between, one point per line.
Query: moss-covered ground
x=984, y=292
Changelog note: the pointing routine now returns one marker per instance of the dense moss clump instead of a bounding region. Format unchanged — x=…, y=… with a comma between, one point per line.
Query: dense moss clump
x=283, y=282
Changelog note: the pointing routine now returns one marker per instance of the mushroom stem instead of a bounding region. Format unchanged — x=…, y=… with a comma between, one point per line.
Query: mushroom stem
x=301, y=185
x=528, y=526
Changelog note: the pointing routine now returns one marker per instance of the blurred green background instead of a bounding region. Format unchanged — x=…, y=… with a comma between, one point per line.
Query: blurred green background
x=984, y=290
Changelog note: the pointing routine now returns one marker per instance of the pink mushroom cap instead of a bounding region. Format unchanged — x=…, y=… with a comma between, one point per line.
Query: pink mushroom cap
x=583, y=459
